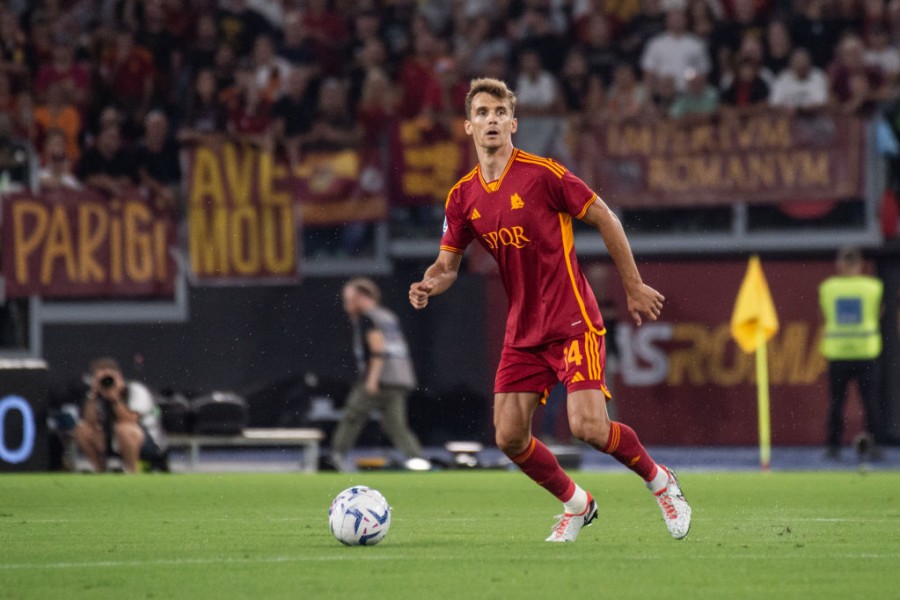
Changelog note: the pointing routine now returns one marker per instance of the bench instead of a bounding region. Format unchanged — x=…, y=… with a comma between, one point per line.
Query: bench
x=308, y=439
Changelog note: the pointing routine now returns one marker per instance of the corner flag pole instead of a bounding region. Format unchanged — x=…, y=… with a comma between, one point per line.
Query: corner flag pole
x=762, y=399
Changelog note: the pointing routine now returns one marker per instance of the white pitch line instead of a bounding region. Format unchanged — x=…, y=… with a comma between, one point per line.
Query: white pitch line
x=176, y=562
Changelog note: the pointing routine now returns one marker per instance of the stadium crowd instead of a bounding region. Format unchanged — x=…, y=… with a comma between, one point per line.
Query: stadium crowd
x=105, y=91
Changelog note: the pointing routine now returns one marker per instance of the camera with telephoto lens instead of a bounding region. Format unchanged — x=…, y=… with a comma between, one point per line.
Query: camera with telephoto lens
x=107, y=382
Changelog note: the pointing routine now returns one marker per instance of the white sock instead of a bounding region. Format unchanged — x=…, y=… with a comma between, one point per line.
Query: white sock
x=659, y=481
x=578, y=503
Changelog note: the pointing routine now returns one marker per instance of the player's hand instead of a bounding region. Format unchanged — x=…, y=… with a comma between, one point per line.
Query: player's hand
x=372, y=387
x=644, y=301
x=418, y=293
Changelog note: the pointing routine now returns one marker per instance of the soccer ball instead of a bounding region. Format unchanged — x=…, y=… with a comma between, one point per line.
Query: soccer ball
x=359, y=516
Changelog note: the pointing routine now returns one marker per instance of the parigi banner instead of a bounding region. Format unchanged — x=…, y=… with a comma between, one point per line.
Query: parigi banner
x=767, y=157
x=64, y=244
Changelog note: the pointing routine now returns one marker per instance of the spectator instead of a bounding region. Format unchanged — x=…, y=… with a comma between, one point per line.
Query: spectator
x=154, y=36
x=296, y=47
x=538, y=35
x=540, y=104
x=57, y=113
x=63, y=68
x=853, y=83
x=748, y=90
x=417, y=74
x=205, y=114
x=729, y=35
x=328, y=32
x=702, y=19
x=224, y=67
x=158, y=164
x=334, y=127
x=271, y=69
x=239, y=25
x=801, y=86
x=601, y=53
x=778, y=47
x=201, y=53
x=13, y=46
x=627, y=96
x=575, y=81
x=293, y=113
x=881, y=55
x=14, y=155
x=371, y=57
x=107, y=166
x=56, y=172
x=810, y=29
x=377, y=108
x=674, y=53
x=475, y=45
x=250, y=115
x=443, y=100
x=699, y=99
x=7, y=98
x=650, y=23
x=664, y=95
x=128, y=74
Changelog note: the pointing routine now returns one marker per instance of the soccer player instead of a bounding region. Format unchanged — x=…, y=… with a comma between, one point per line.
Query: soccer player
x=520, y=207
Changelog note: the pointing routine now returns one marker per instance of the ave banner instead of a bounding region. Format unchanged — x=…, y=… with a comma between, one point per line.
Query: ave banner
x=764, y=158
x=67, y=244
x=244, y=207
x=427, y=160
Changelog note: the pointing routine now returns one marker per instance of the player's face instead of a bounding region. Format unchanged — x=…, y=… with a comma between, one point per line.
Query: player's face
x=349, y=297
x=491, y=122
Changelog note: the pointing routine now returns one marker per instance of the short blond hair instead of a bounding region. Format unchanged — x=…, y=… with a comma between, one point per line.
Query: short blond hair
x=492, y=87
x=366, y=287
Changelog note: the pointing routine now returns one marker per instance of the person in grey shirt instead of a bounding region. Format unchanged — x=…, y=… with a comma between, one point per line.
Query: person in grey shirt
x=386, y=376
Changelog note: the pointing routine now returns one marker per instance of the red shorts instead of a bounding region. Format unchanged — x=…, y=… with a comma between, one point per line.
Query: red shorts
x=579, y=362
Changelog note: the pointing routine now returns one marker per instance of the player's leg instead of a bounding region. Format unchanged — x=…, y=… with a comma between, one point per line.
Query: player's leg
x=590, y=423
x=355, y=416
x=838, y=380
x=395, y=424
x=512, y=422
x=89, y=440
x=129, y=439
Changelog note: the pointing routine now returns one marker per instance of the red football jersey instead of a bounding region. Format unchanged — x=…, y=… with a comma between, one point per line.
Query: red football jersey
x=524, y=220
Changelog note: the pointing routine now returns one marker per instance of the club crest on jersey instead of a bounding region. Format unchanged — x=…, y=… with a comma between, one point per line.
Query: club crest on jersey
x=515, y=201
x=506, y=236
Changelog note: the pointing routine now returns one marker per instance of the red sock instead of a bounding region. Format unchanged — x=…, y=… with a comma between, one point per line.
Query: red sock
x=623, y=445
x=539, y=463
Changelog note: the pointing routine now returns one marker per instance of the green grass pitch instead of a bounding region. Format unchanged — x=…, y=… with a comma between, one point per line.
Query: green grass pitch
x=453, y=535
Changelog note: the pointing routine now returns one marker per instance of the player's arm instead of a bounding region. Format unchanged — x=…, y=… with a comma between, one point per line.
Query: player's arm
x=375, y=342
x=643, y=300
x=437, y=279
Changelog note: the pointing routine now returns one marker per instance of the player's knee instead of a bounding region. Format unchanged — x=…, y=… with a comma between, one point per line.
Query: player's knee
x=512, y=443
x=591, y=430
x=129, y=435
x=85, y=436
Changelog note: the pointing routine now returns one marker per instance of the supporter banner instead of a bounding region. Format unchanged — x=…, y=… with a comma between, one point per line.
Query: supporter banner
x=243, y=207
x=682, y=380
x=79, y=244
x=769, y=157
x=426, y=161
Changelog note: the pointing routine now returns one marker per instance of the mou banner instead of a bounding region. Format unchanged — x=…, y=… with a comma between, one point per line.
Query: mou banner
x=427, y=160
x=769, y=157
x=244, y=206
x=63, y=244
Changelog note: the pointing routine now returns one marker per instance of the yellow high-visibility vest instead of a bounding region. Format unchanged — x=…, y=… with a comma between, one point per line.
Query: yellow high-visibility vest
x=852, y=310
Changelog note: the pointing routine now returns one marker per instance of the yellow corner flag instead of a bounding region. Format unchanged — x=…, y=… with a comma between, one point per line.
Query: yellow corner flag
x=753, y=323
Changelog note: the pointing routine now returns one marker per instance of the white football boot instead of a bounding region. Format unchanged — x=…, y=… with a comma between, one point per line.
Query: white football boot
x=675, y=509
x=569, y=526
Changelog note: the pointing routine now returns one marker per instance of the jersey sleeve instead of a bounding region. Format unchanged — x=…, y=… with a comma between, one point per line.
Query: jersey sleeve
x=457, y=236
x=574, y=196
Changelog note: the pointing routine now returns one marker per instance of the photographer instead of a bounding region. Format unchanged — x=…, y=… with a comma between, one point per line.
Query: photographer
x=118, y=417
